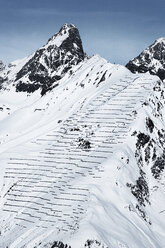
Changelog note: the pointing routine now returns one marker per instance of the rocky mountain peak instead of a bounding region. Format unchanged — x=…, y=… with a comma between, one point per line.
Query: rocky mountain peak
x=152, y=60
x=158, y=49
x=66, y=27
x=50, y=63
x=161, y=40
x=61, y=35
x=67, y=39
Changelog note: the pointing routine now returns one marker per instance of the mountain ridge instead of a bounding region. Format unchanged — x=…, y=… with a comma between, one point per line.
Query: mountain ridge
x=151, y=60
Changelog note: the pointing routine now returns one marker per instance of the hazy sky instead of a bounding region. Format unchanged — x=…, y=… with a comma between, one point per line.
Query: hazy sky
x=118, y=30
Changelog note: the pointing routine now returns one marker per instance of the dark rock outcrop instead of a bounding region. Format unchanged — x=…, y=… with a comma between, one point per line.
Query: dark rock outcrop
x=59, y=244
x=151, y=60
x=2, y=66
x=158, y=166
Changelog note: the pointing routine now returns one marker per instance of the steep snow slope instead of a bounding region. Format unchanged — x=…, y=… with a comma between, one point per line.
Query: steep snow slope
x=83, y=165
x=72, y=91
x=151, y=60
x=57, y=187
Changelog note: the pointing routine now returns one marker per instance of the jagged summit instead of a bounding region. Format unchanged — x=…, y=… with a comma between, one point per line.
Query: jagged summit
x=66, y=32
x=151, y=60
x=64, y=29
x=50, y=63
x=160, y=40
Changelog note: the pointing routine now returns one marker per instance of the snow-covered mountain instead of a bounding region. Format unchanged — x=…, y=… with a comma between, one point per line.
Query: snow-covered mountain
x=43, y=69
x=82, y=151
x=151, y=60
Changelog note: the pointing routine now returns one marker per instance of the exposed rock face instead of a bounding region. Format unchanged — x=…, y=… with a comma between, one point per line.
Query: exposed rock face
x=50, y=63
x=2, y=66
x=1, y=82
x=151, y=60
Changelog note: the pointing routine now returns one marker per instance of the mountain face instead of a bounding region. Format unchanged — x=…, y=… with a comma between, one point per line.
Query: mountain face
x=1, y=65
x=82, y=165
x=50, y=63
x=151, y=60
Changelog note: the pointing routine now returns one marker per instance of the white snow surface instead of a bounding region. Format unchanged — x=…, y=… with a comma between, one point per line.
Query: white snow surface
x=53, y=187
x=161, y=40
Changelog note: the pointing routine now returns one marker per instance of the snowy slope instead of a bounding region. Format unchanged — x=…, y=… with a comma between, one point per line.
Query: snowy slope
x=151, y=60
x=83, y=165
